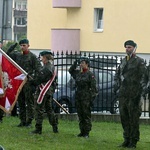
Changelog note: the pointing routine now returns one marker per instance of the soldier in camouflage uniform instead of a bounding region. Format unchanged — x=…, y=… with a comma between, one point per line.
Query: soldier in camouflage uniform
x=29, y=62
x=85, y=94
x=46, y=73
x=129, y=79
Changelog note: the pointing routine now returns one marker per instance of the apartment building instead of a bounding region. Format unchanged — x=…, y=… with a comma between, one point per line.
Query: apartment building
x=100, y=26
x=13, y=20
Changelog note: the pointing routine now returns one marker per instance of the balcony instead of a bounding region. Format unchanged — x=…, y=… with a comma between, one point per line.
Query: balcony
x=66, y=3
x=20, y=13
x=65, y=40
x=20, y=29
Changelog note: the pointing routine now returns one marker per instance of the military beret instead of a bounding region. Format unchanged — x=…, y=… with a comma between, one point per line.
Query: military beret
x=130, y=42
x=45, y=53
x=24, y=41
x=86, y=59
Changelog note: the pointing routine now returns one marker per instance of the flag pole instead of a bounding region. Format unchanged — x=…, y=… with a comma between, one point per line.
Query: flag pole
x=60, y=106
x=13, y=62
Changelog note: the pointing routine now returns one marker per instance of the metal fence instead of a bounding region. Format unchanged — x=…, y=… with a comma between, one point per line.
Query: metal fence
x=104, y=67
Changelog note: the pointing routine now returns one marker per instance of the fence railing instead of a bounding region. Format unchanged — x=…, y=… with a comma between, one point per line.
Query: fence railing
x=104, y=67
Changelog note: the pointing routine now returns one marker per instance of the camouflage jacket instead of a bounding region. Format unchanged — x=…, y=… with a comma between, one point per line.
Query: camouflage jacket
x=45, y=74
x=85, y=83
x=130, y=77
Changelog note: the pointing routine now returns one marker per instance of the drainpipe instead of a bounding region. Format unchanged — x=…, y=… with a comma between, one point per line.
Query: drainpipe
x=3, y=15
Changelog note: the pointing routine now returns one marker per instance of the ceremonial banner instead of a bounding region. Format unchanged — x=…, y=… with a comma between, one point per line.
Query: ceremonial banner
x=13, y=77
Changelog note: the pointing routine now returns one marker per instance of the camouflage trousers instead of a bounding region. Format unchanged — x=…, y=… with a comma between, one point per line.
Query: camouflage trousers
x=84, y=114
x=26, y=104
x=40, y=109
x=130, y=112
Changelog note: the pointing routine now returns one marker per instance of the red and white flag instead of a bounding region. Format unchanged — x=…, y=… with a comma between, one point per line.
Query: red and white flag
x=12, y=79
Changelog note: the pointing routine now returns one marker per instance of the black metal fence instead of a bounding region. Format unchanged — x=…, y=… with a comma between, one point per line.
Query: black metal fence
x=104, y=67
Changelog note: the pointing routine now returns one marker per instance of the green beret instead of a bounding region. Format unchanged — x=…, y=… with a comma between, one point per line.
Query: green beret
x=24, y=41
x=86, y=59
x=130, y=42
x=45, y=53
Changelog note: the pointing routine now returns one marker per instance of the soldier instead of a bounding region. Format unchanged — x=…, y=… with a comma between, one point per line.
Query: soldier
x=129, y=79
x=29, y=62
x=46, y=73
x=85, y=94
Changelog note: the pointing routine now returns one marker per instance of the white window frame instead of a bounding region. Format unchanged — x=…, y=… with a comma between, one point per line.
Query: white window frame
x=21, y=5
x=98, y=20
x=21, y=21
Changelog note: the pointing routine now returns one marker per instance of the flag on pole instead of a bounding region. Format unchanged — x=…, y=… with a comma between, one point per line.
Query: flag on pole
x=12, y=79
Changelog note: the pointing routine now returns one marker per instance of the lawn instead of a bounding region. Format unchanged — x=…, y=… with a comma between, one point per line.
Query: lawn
x=104, y=136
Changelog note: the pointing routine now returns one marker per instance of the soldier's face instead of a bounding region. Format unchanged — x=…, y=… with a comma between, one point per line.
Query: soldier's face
x=83, y=65
x=43, y=59
x=24, y=47
x=129, y=49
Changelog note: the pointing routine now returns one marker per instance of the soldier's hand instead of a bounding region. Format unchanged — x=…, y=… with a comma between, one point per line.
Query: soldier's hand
x=11, y=48
x=75, y=63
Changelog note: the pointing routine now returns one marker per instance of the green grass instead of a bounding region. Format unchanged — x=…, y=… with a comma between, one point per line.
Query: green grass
x=104, y=136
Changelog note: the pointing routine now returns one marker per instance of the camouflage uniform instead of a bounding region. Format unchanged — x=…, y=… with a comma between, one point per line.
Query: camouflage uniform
x=45, y=75
x=84, y=96
x=129, y=79
x=31, y=65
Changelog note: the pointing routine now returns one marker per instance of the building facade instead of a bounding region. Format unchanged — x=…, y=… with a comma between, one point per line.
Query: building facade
x=13, y=20
x=99, y=26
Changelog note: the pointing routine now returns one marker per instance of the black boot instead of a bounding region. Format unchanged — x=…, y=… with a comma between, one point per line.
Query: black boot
x=28, y=124
x=36, y=131
x=86, y=135
x=125, y=143
x=80, y=135
x=55, y=129
x=132, y=144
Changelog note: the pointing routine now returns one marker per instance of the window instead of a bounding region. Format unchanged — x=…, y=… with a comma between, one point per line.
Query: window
x=18, y=5
x=98, y=15
x=18, y=36
x=21, y=21
x=21, y=5
x=24, y=6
